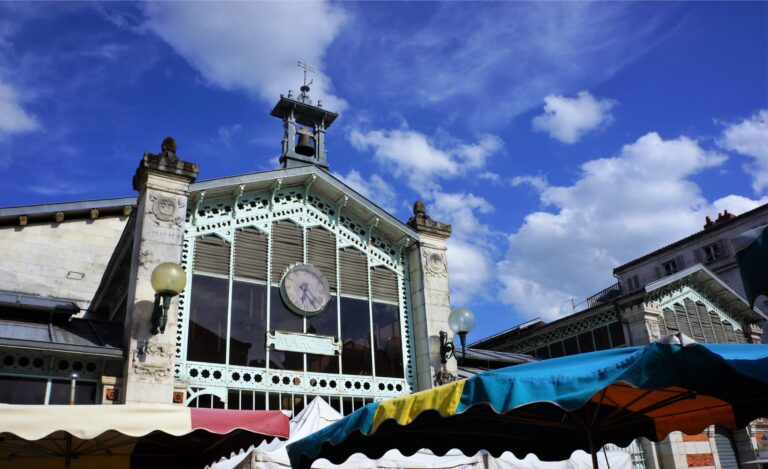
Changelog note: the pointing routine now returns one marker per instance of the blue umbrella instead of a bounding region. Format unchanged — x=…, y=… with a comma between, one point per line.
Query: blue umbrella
x=554, y=407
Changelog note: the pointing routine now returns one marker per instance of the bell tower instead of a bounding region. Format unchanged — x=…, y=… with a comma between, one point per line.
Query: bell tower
x=303, y=145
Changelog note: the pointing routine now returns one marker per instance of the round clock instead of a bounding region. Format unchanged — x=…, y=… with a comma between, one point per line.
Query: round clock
x=305, y=290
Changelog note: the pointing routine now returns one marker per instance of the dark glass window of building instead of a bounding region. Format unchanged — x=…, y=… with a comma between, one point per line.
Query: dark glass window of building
x=585, y=342
x=249, y=325
x=283, y=319
x=85, y=392
x=207, y=340
x=387, y=341
x=22, y=390
x=617, y=334
x=601, y=338
x=542, y=352
x=571, y=346
x=325, y=323
x=556, y=349
x=355, y=337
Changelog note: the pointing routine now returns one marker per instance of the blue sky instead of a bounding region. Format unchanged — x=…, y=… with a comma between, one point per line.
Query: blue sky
x=559, y=139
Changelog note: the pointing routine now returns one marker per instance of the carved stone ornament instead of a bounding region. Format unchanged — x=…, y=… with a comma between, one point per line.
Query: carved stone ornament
x=653, y=329
x=444, y=377
x=152, y=363
x=435, y=264
x=165, y=210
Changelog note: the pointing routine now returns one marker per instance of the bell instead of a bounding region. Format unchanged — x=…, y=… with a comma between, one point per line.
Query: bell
x=304, y=147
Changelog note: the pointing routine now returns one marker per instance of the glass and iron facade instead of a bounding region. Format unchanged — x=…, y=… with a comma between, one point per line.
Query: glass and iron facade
x=235, y=252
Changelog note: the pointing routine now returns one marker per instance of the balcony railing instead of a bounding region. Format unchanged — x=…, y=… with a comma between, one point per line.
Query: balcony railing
x=604, y=296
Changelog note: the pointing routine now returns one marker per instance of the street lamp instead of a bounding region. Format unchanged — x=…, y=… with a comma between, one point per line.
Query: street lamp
x=168, y=280
x=462, y=321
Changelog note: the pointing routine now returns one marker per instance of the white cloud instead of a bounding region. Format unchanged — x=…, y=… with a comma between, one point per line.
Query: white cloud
x=411, y=155
x=13, y=118
x=470, y=247
x=750, y=137
x=569, y=119
x=620, y=208
x=537, y=182
x=252, y=46
x=486, y=63
x=374, y=188
x=227, y=133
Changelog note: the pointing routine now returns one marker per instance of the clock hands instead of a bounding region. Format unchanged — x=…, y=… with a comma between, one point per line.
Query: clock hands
x=308, y=295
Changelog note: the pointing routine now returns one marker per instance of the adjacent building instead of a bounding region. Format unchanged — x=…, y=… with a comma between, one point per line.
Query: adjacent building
x=692, y=287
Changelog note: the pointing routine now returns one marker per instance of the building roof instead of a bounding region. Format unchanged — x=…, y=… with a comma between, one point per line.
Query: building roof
x=727, y=298
x=84, y=336
x=498, y=357
x=39, y=303
x=71, y=210
x=719, y=226
x=321, y=181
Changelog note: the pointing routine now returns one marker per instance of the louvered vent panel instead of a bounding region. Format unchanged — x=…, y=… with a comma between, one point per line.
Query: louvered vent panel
x=671, y=320
x=251, y=254
x=706, y=323
x=693, y=318
x=730, y=334
x=354, y=272
x=682, y=320
x=384, y=284
x=211, y=255
x=287, y=247
x=718, y=327
x=663, y=327
x=321, y=252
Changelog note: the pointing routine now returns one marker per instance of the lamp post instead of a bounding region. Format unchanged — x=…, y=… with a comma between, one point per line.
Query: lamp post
x=168, y=280
x=461, y=321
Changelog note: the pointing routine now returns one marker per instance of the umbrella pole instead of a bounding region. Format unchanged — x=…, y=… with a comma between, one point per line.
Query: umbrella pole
x=592, y=451
x=68, y=453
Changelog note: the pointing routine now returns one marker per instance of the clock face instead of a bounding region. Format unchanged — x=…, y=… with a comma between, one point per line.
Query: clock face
x=305, y=290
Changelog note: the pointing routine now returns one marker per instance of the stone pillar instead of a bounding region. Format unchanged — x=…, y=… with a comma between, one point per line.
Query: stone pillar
x=641, y=323
x=753, y=333
x=430, y=297
x=162, y=182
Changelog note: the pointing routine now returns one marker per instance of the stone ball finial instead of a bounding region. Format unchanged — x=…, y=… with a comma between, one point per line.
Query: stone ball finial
x=419, y=209
x=168, y=146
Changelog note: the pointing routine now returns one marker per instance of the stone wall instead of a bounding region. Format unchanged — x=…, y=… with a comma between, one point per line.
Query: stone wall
x=60, y=260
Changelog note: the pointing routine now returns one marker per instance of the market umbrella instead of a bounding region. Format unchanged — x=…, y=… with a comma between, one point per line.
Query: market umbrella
x=115, y=436
x=554, y=407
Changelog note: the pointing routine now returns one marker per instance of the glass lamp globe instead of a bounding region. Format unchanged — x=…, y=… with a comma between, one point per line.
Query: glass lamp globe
x=169, y=277
x=461, y=320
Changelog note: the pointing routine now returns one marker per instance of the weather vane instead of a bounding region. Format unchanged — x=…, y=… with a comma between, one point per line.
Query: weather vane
x=305, y=87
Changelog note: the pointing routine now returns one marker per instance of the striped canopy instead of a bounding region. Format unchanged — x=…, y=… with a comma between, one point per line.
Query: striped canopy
x=115, y=436
x=554, y=407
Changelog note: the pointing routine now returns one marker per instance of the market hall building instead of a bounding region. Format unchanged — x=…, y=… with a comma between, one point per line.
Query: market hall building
x=296, y=286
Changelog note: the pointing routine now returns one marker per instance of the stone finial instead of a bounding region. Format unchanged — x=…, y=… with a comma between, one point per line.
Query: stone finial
x=168, y=149
x=422, y=222
x=419, y=209
x=166, y=161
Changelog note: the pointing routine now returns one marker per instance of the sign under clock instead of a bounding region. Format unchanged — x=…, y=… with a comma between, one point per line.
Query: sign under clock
x=305, y=290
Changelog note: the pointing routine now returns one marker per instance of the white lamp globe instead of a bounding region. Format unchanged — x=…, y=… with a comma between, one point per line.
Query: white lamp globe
x=168, y=277
x=461, y=320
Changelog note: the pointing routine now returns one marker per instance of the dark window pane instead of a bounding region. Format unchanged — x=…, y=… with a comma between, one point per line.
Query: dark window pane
x=571, y=346
x=233, y=399
x=601, y=338
x=208, y=319
x=22, y=390
x=85, y=392
x=542, y=352
x=617, y=334
x=260, y=400
x=283, y=319
x=325, y=323
x=386, y=336
x=246, y=400
x=556, y=349
x=274, y=401
x=249, y=325
x=355, y=337
x=585, y=342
